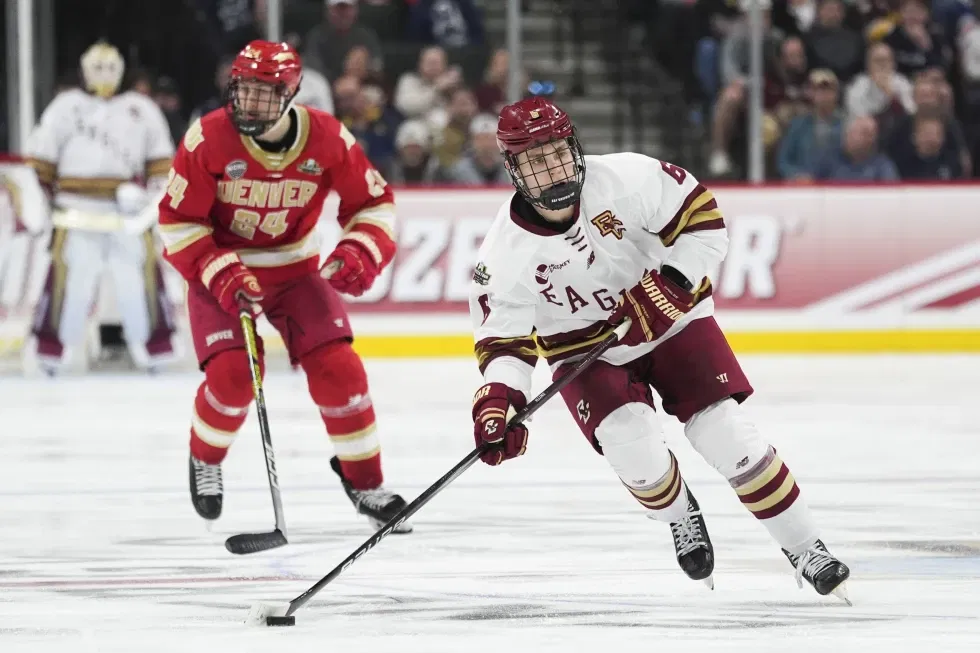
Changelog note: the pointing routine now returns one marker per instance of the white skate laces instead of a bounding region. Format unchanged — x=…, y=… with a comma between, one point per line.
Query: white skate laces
x=687, y=532
x=376, y=499
x=811, y=562
x=207, y=478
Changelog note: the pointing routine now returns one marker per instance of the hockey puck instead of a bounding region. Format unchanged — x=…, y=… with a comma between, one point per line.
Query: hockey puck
x=280, y=621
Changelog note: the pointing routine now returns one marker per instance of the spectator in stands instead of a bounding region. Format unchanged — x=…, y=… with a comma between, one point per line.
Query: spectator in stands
x=231, y=24
x=917, y=42
x=167, y=97
x=414, y=163
x=832, y=45
x=358, y=64
x=901, y=143
x=447, y=23
x=327, y=44
x=221, y=75
x=877, y=18
x=491, y=95
x=931, y=156
x=422, y=94
x=451, y=140
x=859, y=160
x=785, y=83
x=346, y=94
x=481, y=164
x=142, y=82
x=734, y=70
x=881, y=92
x=815, y=136
x=314, y=91
x=374, y=125
x=714, y=21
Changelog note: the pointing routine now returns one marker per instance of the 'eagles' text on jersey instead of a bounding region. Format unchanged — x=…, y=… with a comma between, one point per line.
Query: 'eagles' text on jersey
x=226, y=194
x=540, y=293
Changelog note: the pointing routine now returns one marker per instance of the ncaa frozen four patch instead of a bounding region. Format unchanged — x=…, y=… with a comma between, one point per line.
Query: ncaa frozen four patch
x=480, y=274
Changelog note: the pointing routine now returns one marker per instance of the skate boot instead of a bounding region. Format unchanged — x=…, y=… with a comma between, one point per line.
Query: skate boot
x=695, y=554
x=206, y=488
x=822, y=570
x=378, y=505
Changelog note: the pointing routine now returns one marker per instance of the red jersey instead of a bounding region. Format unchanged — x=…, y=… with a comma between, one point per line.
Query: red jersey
x=227, y=197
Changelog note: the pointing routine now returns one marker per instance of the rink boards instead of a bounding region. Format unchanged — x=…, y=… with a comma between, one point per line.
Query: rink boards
x=810, y=269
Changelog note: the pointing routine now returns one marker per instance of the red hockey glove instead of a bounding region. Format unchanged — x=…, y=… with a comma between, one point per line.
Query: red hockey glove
x=490, y=406
x=231, y=283
x=350, y=268
x=653, y=305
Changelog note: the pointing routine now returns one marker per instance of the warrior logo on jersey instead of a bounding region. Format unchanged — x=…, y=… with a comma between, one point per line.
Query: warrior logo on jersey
x=480, y=274
x=584, y=411
x=607, y=223
x=236, y=169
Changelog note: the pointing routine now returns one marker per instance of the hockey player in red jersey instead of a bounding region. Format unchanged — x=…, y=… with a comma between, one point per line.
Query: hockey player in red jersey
x=238, y=221
x=569, y=256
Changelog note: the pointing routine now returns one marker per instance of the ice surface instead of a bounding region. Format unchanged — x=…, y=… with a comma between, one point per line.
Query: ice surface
x=100, y=549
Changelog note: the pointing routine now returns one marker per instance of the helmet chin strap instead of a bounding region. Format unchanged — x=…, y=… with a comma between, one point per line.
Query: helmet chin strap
x=279, y=124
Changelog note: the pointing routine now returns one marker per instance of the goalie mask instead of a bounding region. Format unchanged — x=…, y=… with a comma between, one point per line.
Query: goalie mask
x=542, y=153
x=102, y=69
x=265, y=77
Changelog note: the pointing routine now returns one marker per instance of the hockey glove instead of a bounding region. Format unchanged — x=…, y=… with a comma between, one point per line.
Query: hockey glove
x=653, y=305
x=231, y=283
x=490, y=408
x=350, y=268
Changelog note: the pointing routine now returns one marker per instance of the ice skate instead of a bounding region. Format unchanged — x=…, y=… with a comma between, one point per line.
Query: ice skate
x=378, y=505
x=823, y=571
x=206, y=488
x=695, y=554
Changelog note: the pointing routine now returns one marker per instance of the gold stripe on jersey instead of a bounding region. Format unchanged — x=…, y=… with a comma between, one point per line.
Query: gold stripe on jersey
x=278, y=161
x=176, y=237
x=273, y=257
x=100, y=187
x=46, y=171
x=381, y=216
x=700, y=206
x=520, y=347
x=59, y=273
x=150, y=278
x=158, y=167
x=563, y=345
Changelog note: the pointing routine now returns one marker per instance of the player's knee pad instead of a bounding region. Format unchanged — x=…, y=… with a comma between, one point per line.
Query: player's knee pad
x=335, y=374
x=726, y=438
x=632, y=442
x=229, y=377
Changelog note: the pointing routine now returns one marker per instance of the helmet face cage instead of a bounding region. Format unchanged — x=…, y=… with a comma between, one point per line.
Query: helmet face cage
x=549, y=187
x=255, y=106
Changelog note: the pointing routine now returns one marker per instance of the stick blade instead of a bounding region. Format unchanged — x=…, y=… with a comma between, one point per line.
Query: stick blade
x=255, y=542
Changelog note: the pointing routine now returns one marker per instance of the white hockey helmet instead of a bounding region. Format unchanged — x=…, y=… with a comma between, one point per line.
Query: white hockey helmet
x=102, y=69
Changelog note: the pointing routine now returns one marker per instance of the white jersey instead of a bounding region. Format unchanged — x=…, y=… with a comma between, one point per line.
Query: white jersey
x=86, y=146
x=537, y=292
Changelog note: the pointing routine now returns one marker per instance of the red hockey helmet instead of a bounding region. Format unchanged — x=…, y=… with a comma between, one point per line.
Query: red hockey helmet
x=265, y=77
x=542, y=152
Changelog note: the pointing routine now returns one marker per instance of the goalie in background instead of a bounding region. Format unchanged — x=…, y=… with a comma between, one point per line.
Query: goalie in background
x=102, y=158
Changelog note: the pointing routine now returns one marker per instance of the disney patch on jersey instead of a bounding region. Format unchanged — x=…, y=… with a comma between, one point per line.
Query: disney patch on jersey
x=480, y=274
x=310, y=167
x=236, y=169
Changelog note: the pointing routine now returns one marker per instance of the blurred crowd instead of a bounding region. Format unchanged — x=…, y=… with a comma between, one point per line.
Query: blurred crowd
x=870, y=90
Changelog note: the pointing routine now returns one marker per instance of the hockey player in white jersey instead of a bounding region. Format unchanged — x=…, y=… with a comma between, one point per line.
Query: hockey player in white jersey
x=585, y=242
x=103, y=159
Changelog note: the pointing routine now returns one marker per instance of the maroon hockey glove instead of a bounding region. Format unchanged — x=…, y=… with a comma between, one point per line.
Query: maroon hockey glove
x=490, y=405
x=231, y=283
x=350, y=268
x=654, y=305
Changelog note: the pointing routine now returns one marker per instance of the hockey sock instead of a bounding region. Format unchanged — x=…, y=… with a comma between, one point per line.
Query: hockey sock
x=221, y=405
x=338, y=384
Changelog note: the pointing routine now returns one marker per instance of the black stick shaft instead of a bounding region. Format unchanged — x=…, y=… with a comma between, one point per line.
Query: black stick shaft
x=251, y=347
x=456, y=471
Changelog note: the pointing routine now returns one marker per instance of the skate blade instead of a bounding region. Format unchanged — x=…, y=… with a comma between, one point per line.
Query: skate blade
x=402, y=528
x=841, y=592
x=709, y=582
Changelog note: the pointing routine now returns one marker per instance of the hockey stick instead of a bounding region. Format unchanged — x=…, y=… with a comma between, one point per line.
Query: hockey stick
x=255, y=542
x=271, y=614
